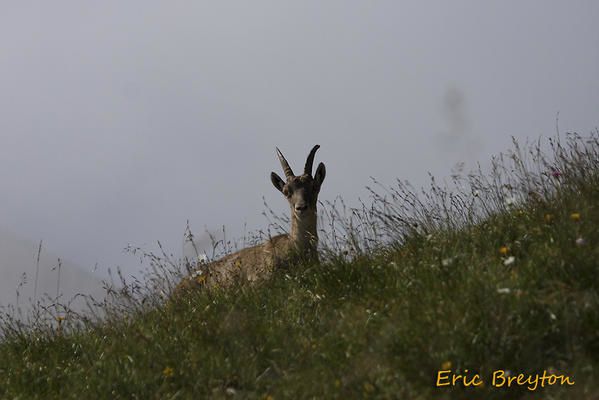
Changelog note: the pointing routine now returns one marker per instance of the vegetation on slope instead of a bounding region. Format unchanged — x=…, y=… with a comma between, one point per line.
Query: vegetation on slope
x=493, y=272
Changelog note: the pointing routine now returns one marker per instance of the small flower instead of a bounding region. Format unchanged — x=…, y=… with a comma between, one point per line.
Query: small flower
x=510, y=201
x=503, y=250
x=446, y=365
x=230, y=391
x=168, y=372
x=555, y=173
x=580, y=241
x=548, y=218
x=504, y=290
x=196, y=273
x=575, y=216
x=447, y=261
x=509, y=261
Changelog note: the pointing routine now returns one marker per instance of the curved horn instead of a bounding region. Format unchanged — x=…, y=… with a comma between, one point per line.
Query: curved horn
x=286, y=168
x=310, y=160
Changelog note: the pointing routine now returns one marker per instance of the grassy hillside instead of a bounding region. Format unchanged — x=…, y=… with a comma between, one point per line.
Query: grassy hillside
x=493, y=271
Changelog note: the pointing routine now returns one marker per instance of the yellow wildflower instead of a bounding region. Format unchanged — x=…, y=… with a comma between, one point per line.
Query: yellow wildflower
x=575, y=216
x=503, y=250
x=446, y=365
x=368, y=388
x=168, y=372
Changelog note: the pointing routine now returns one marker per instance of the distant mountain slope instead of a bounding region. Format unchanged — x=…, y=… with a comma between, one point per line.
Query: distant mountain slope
x=18, y=256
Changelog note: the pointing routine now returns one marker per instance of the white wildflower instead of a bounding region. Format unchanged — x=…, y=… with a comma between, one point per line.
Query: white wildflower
x=197, y=272
x=509, y=261
x=510, y=201
x=447, y=261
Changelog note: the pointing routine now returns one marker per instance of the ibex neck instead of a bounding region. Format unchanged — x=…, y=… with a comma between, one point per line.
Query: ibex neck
x=303, y=232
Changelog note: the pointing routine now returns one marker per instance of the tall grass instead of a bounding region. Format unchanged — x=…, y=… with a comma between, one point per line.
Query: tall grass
x=493, y=269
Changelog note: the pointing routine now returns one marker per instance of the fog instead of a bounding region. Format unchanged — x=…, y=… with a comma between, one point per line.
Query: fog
x=120, y=121
x=49, y=279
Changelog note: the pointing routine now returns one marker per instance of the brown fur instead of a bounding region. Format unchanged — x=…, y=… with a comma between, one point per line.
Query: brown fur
x=256, y=263
x=247, y=265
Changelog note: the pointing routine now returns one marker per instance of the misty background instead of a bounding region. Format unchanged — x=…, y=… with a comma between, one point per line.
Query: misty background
x=120, y=121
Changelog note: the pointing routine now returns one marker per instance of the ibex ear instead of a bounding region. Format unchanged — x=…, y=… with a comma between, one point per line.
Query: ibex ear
x=321, y=172
x=277, y=181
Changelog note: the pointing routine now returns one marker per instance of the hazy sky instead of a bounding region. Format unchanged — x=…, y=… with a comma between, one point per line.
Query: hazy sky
x=121, y=120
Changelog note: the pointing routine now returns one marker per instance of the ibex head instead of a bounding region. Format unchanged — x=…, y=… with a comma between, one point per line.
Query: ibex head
x=302, y=190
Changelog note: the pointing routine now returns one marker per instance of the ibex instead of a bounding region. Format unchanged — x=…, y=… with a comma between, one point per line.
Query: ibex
x=257, y=262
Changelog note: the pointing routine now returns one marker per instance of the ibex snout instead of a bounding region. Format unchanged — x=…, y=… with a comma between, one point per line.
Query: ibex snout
x=301, y=206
